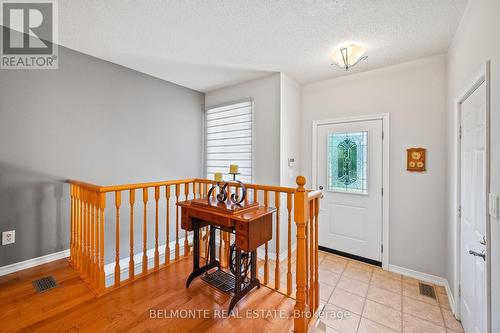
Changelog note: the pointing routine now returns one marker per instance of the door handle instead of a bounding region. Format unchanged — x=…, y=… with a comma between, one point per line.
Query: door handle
x=475, y=254
x=321, y=188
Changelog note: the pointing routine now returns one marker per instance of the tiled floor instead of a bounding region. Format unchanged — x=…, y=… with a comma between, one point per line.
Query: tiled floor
x=358, y=297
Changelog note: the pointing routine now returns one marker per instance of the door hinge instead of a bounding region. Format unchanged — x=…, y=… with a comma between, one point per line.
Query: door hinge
x=460, y=132
x=459, y=211
x=459, y=290
x=382, y=191
x=382, y=135
x=382, y=248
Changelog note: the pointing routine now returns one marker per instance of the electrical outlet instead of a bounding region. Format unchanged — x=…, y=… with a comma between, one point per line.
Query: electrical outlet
x=8, y=237
x=494, y=205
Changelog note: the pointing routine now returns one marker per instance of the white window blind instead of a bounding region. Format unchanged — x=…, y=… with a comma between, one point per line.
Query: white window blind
x=229, y=140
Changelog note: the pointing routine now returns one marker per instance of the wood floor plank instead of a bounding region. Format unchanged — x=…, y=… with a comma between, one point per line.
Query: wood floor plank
x=128, y=308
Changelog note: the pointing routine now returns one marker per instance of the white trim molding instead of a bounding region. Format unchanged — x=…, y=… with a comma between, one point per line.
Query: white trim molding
x=19, y=266
x=434, y=279
x=385, y=117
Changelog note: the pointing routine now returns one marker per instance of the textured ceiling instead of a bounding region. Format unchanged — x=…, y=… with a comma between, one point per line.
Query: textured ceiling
x=205, y=45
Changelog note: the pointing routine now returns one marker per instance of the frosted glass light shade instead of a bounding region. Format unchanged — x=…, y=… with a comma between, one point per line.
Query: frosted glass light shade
x=348, y=56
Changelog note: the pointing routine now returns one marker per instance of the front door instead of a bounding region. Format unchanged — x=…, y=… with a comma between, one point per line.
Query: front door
x=473, y=212
x=349, y=170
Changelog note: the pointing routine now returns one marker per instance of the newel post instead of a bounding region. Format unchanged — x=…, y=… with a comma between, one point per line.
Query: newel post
x=301, y=216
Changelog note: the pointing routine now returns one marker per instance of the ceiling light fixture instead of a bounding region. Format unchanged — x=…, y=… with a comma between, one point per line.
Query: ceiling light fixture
x=348, y=56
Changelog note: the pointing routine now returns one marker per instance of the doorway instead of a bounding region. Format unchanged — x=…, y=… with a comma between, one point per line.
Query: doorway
x=350, y=165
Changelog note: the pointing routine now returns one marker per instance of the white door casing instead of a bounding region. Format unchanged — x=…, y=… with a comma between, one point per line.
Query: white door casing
x=473, y=210
x=352, y=221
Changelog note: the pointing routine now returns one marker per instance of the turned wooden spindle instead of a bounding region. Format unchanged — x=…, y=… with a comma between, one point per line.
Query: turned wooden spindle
x=118, y=201
x=77, y=227
x=186, y=241
x=311, y=254
x=177, y=247
x=86, y=233
x=93, y=236
x=301, y=212
x=266, y=246
x=145, y=232
x=95, y=274
x=316, y=268
x=72, y=226
x=102, y=206
x=131, y=263
x=157, y=253
x=167, y=225
x=289, y=198
x=277, y=268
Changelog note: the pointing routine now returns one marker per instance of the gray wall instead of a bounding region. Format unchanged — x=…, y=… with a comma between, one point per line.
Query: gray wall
x=89, y=120
x=476, y=41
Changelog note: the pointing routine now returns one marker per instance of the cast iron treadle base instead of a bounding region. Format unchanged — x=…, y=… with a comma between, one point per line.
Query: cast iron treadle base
x=221, y=280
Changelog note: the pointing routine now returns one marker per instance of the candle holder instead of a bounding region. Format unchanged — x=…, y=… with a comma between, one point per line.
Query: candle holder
x=222, y=195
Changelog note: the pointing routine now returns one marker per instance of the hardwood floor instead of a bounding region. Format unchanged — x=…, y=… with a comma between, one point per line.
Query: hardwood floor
x=21, y=305
x=133, y=308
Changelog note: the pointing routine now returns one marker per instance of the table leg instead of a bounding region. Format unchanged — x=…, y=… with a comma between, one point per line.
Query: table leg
x=254, y=282
x=197, y=270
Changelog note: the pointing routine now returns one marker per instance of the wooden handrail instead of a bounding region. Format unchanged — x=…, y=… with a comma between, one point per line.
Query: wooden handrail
x=114, y=188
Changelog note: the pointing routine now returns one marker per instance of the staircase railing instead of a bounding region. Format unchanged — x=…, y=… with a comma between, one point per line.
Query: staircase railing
x=88, y=242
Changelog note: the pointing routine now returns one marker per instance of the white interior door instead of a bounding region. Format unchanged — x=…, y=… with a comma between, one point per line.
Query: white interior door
x=349, y=169
x=473, y=212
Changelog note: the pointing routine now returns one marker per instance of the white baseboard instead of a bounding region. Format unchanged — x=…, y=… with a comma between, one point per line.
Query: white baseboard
x=18, y=266
x=437, y=280
x=451, y=299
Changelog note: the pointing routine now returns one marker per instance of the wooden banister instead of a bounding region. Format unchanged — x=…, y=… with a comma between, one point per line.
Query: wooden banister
x=87, y=243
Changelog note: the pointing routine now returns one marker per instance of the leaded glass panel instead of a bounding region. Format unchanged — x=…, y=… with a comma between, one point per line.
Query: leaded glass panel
x=347, y=162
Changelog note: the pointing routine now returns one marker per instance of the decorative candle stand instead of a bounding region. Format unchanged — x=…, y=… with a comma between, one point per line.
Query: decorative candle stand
x=222, y=195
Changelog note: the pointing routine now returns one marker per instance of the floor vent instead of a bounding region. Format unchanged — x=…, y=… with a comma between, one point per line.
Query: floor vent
x=427, y=290
x=44, y=284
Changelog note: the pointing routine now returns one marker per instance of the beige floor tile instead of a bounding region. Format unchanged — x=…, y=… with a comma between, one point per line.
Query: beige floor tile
x=413, y=291
x=368, y=326
x=325, y=291
x=328, y=277
x=422, y=310
x=407, y=279
x=413, y=324
x=333, y=257
x=332, y=266
x=353, y=286
x=443, y=301
x=357, y=273
x=383, y=314
x=386, y=283
x=348, y=301
x=385, y=297
x=360, y=265
x=451, y=322
x=331, y=330
x=340, y=319
x=440, y=290
x=387, y=274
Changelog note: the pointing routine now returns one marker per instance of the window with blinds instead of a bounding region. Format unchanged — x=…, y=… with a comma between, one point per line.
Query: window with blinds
x=229, y=140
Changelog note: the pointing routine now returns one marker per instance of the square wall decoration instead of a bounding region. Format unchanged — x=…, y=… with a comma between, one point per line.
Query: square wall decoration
x=415, y=159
